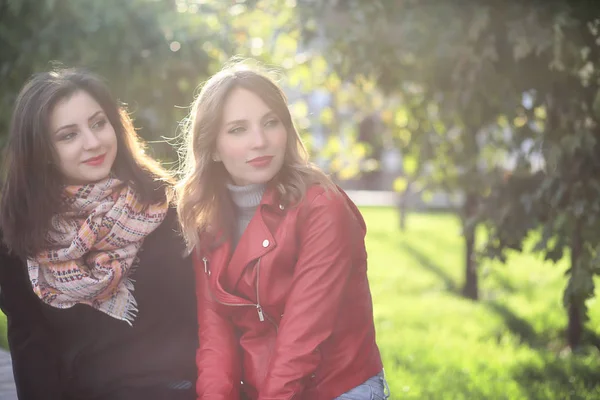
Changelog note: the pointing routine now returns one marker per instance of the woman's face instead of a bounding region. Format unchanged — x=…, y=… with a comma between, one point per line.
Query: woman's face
x=85, y=141
x=251, y=141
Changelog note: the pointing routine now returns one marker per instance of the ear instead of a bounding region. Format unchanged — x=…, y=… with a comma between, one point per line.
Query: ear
x=216, y=157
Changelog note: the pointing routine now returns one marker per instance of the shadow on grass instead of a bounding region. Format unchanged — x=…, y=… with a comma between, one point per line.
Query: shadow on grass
x=436, y=381
x=503, y=282
x=571, y=378
x=430, y=266
x=441, y=237
x=590, y=337
x=527, y=335
x=516, y=325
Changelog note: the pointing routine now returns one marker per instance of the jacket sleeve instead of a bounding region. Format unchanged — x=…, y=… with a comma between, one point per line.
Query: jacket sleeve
x=217, y=358
x=31, y=342
x=327, y=236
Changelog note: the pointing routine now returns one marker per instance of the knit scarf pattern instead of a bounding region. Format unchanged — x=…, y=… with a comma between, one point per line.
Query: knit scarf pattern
x=92, y=249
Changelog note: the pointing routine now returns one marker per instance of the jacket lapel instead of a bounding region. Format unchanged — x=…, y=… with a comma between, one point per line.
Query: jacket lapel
x=257, y=240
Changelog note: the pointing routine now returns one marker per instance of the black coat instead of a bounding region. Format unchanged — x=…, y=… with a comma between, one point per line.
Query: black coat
x=80, y=353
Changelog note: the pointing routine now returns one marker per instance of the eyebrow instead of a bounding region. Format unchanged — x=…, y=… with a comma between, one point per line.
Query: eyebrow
x=241, y=121
x=94, y=115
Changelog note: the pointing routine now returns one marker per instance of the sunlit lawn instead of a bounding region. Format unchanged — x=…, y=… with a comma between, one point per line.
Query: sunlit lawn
x=437, y=345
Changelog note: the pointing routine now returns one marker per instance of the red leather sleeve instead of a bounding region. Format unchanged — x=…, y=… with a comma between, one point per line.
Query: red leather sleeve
x=327, y=235
x=217, y=358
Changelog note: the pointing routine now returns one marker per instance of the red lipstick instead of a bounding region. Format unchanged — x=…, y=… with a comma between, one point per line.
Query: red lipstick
x=260, y=162
x=95, y=161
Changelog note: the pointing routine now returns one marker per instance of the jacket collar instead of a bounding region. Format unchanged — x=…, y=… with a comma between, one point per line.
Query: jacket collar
x=257, y=240
x=272, y=199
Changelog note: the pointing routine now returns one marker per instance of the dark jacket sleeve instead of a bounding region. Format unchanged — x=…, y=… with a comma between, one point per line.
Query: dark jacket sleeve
x=31, y=343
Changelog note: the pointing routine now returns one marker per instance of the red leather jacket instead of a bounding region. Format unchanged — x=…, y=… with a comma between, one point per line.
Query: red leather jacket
x=289, y=314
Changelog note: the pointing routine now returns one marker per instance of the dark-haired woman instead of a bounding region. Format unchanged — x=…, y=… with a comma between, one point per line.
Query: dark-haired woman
x=99, y=300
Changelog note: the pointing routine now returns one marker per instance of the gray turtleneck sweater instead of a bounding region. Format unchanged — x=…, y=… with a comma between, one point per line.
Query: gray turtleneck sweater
x=246, y=200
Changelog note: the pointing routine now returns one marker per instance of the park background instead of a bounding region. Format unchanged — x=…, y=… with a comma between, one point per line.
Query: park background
x=468, y=131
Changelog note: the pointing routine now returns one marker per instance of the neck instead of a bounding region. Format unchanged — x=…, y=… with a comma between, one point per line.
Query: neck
x=246, y=200
x=246, y=196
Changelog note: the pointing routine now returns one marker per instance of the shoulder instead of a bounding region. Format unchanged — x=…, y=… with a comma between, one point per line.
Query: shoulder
x=5, y=254
x=10, y=263
x=165, y=245
x=330, y=203
x=318, y=196
x=169, y=231
x=333, y=205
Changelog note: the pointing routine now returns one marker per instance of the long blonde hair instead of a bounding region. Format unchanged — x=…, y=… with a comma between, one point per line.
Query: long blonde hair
x=203, y=202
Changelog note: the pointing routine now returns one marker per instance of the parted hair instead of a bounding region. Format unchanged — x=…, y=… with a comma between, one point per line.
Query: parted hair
x=33, y=184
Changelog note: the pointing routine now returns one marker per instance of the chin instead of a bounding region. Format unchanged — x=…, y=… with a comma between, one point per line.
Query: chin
x=264, y=179
x=96, y=178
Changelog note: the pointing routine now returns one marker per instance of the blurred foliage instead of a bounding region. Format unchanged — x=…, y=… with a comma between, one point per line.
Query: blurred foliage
x=269, y=32
x=480, y=86
x=440, y=61
x=562, y=122
x=498, y=102
x=151, y=54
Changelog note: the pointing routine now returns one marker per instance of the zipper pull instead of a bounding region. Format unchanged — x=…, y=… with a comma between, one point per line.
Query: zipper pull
x=261, y=316
x=205, y=261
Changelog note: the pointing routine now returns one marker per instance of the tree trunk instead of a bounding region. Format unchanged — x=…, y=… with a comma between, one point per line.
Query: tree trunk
x=471, y=287
x=403, y=208
x=575, y=305
x=575, y=327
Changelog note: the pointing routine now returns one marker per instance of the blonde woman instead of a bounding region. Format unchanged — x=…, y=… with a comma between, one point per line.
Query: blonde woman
x=284, y=304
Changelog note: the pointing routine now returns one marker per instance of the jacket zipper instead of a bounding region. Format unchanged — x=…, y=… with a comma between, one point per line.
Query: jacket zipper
x=261, y=314
x=205, y=261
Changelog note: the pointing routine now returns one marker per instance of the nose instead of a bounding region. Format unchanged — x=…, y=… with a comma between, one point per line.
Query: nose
x=259, y=139
x=90, y=140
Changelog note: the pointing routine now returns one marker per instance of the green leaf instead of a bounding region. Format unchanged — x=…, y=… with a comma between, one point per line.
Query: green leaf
x=410, y=165
x=400, y=184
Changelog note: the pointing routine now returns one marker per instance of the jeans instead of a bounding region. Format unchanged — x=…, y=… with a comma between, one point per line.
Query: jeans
x=375, y=388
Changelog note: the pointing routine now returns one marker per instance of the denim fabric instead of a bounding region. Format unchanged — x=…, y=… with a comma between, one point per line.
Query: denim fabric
x=180, y=385
x=375, y=388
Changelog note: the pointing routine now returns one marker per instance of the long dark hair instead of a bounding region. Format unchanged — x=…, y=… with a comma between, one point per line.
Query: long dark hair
x=33, y=185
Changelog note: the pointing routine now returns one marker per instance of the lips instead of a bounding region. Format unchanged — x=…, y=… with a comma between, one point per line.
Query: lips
x=260, y=162
x=95, y=161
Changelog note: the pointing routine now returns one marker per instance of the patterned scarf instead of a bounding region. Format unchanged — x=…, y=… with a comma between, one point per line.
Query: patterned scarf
x=92, y=249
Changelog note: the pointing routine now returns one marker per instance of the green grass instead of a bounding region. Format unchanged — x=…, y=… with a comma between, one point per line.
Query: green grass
x=3, y=339
x=438, y=345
